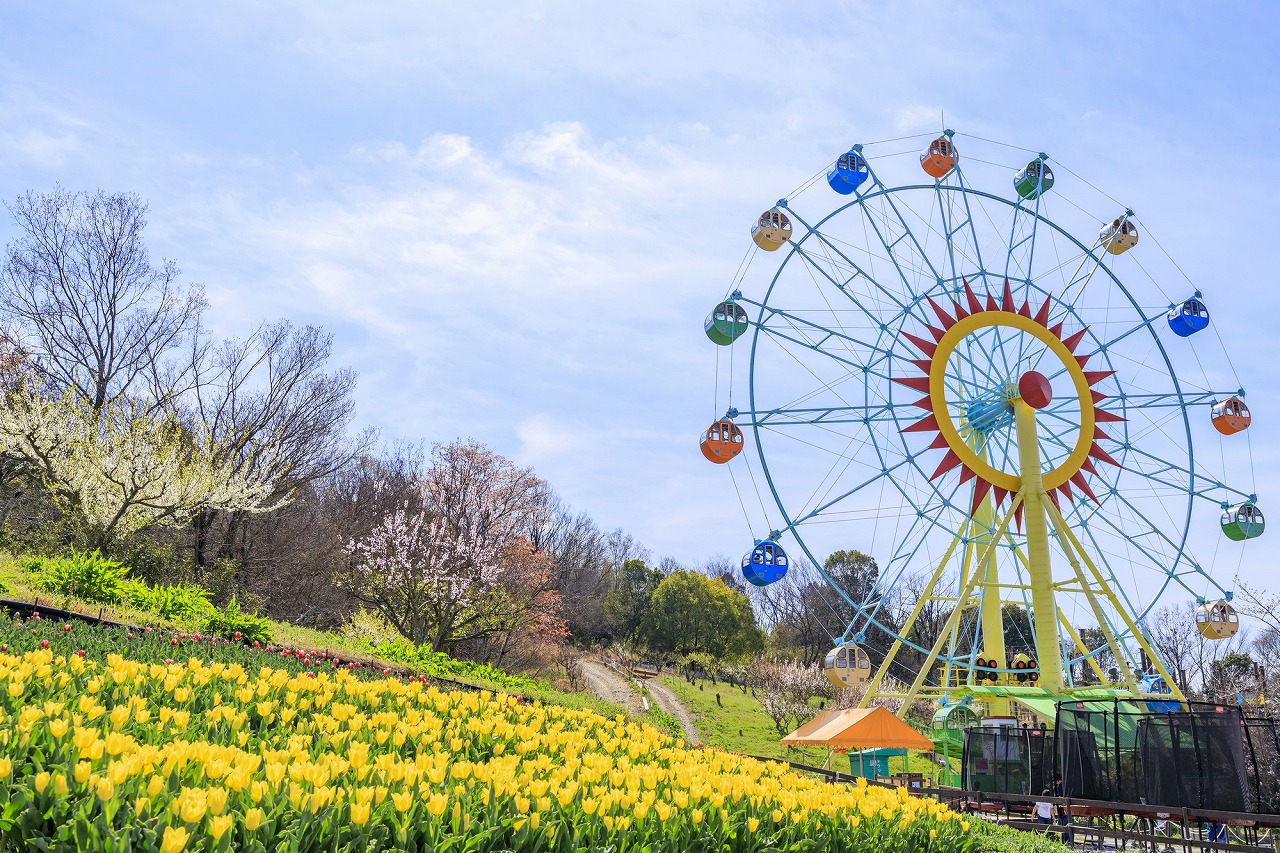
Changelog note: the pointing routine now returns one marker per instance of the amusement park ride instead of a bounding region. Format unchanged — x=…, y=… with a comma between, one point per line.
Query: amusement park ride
x=946, y=374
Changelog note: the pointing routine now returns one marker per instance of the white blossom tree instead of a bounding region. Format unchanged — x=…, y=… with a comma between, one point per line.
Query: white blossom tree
x=120, y=467
x=785, y=689
x=439, y=565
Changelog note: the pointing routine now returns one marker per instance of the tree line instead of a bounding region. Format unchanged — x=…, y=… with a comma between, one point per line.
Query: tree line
x=130, y=428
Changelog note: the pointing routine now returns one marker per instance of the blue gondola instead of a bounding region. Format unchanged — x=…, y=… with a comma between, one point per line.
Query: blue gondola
x=1154, y=689
x=1189, y=317
x=849, y=173
x=767, y=563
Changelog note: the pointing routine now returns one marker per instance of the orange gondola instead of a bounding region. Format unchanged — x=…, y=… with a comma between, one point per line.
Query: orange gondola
x=939, y=158
x=721, y=442
x=1230, y=416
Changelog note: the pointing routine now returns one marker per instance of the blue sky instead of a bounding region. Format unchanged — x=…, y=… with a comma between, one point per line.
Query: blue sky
x=514, y=218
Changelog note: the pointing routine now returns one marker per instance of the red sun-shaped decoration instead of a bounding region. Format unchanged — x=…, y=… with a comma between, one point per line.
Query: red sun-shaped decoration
x=1032, y=387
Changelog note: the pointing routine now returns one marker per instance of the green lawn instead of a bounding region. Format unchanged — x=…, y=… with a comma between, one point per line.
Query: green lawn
x=739, y=724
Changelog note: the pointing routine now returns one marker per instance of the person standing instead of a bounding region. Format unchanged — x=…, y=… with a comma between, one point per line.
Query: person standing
x=1044, y=809
x=1064, y=815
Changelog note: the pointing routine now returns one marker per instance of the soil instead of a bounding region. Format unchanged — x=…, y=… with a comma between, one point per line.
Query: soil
x=611, y=685
x=668, y=702
x=617, y=686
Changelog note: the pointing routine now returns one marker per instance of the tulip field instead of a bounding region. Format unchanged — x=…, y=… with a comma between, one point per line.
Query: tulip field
x=121, y=741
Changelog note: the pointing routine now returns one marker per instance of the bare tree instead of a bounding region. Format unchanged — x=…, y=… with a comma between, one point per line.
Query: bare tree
x=278, y=412
x=583, y=573
x=620, y=547
x=79, y=289
x=1261, y=605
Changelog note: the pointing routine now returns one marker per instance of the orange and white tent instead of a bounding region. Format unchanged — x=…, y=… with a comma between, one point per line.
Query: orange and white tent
x=858, y=728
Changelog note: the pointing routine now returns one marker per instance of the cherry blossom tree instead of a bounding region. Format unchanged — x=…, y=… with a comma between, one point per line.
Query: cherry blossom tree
x=453, y=561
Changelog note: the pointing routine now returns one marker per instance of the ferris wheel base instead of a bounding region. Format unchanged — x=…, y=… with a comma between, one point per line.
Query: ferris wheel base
x=1038, y=701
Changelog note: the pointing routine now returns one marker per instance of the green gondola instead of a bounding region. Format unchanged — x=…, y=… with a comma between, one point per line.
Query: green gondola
x=1030, y=182
x=726, y=323
x=1242, y=521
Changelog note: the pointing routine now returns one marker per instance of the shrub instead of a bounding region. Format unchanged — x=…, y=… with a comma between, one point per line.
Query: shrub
x=175, y=601
x=440, y=665
x=369, y=628
x=87, y=576
x=230, y=621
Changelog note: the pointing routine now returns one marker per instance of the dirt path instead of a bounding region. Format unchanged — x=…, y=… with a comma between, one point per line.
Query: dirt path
x=668, y=702
x=611, y=686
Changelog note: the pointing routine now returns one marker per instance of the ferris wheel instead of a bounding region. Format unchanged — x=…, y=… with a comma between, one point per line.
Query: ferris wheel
x=1001, y=412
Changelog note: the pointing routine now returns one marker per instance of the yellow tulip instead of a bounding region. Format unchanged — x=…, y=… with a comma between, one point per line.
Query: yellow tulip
x=436, y=804
x=403, y=800
x=753, y=823
x=359, y=813
x=219, y=825
x=82, y=772
x=696, y=816
x=42, y=781
x=190, y=805
x=216, y=799
x=60, y=786
x=253, y=818
x=175, y=839
x=105, y=789
x=58, y=728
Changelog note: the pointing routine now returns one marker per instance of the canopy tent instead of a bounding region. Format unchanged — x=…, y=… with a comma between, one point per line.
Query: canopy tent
x=858, y=728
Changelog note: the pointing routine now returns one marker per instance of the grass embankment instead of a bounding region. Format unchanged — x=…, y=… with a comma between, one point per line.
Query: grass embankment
x=16, y=583
x=738, y=723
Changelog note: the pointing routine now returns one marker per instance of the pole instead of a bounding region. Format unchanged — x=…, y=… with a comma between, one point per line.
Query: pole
x=1040, y=570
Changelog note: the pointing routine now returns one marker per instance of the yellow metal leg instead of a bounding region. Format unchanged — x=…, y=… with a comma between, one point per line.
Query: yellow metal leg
x=955, y=613
x=878, y=678
x=1124, y=615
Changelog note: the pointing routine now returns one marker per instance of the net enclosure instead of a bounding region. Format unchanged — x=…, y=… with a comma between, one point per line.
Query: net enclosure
x=1203, y=755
